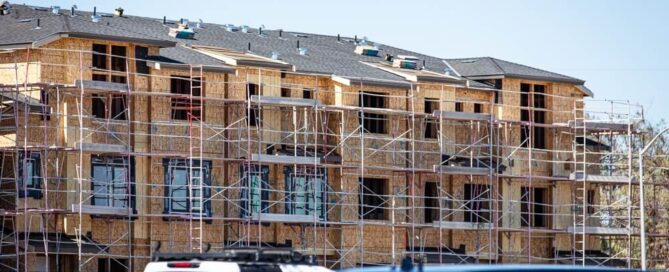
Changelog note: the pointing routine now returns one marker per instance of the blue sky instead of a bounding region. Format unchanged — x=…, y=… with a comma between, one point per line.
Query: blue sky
x=621, y=48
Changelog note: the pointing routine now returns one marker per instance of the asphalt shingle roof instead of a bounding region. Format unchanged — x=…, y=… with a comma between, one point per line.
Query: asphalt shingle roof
x=325, y=54
x=21, y=27
x=488, y=66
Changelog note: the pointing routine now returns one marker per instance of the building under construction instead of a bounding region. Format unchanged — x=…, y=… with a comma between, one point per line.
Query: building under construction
x=124, y=135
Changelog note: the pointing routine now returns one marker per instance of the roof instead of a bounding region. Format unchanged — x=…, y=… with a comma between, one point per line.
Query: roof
x=325, y=54
x=488, y=66
x=20, y=28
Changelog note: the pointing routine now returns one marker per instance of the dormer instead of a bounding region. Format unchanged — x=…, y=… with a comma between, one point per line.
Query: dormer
x=367, y=50
x=406, y=62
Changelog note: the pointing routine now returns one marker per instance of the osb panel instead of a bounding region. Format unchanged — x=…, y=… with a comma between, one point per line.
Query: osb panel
x=539, y=246
x=562, y=213
x=560, y=99
x=66, y=59
x=176, y=235
x=375, y=241
x=115, y=233
x=511, y=204
x=173, y=135
x=396, y=188
x=20, y=73
x=379, y=149
x=476, y=242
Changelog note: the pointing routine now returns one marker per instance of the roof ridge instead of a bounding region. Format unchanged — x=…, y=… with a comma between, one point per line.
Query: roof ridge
x=494, y=61
x=524, y=65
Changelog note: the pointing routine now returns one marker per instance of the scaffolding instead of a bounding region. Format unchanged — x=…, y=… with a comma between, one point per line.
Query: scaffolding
x=195, y=160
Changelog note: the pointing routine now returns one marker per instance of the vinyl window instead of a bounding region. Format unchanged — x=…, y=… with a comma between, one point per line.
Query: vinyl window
x=183, y=180
x=306, y=191
x=112, y=182
x=255, y=189
x=30, y=174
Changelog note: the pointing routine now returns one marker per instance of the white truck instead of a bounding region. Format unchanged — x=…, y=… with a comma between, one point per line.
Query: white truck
x=235, y=260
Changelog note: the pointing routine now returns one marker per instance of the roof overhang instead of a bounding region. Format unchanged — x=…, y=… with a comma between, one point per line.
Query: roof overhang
x=418, y=75
x=501, y=76
x=12, y=46
x=468, y=86
x=182, y=66
x=56, y=36
x=485, y=77
x=378, y=82
x=585, y=90
x=235, y=58
x=551, y=79
x=82, y=35
x=156, y=42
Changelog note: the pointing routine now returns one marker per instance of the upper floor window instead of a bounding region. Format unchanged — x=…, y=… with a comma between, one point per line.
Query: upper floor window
x=252, y=113
x=498, y=93
x=478, y=108
x=534, y=207
x=118, y=58
x=306, y=191
x=591, y=202
x=187, y=101
x=431, y=202
x=29, y=175
x=102, y=56
x=255, y=189
x=458, y=106
x=372, y=122
x=535, y=110
x=373, y=198
x=109, y=106
x=187, y=186
x=45, y=111
x=141, y=53
x=112, y=181
x=477, y=203
x=431, y=125
x=307, y=93
x=285, y=92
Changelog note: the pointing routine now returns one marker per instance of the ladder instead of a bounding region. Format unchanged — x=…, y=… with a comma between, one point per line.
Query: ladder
x=196, y=168
x=579, y=186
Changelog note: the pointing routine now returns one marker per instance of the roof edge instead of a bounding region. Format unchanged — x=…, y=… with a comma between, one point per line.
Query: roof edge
x=183, y=66
x=378, y=82
x=552, y=79
x=83, y=35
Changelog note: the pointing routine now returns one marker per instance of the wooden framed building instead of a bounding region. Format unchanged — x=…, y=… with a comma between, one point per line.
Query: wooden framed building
x=118, y=139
